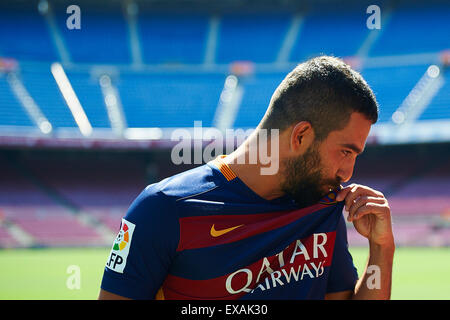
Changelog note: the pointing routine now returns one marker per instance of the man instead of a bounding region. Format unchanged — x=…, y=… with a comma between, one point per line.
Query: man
x=226, y=231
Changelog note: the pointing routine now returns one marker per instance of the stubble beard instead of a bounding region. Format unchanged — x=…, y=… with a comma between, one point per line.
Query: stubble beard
x=304, y=180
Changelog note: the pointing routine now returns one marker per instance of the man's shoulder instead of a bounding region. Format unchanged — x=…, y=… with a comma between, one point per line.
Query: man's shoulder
x=157, y=206
x=182, y=185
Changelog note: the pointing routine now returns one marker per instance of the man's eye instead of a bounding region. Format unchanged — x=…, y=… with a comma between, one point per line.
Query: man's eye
x=346, y=152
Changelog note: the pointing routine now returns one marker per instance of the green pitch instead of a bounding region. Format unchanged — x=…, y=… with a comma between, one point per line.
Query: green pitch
x=419, y=273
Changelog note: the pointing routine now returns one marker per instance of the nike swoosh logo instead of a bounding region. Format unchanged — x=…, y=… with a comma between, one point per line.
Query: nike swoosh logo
x=217, y=233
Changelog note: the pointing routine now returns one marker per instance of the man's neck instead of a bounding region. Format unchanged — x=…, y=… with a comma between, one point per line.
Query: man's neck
x=266, y=186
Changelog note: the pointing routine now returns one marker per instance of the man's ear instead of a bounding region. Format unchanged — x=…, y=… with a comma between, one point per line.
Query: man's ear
x=302, y=135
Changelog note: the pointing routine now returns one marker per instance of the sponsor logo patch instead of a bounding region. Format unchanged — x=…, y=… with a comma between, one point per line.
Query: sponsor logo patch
x=119, y=252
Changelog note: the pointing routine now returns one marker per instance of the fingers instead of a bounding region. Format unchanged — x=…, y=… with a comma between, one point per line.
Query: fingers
x=350, y=193
x=379, y=209
x=356, y=209
x=343, y=192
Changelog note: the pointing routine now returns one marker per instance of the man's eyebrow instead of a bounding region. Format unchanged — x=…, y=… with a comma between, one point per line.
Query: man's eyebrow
x=353, y=147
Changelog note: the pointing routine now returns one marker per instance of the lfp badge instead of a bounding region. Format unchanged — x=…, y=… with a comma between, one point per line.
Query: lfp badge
x=118, y=257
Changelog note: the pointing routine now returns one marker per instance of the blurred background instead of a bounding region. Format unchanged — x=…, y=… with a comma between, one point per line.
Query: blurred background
x=91, y=92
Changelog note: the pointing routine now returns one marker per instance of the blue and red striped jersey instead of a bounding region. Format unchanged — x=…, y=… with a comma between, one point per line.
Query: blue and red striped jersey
x=204, y=234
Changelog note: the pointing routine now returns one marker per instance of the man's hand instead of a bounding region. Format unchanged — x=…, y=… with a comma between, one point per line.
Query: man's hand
x=370, y=213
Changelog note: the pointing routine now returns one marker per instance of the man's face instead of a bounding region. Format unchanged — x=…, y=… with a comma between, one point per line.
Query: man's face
x=327, y=164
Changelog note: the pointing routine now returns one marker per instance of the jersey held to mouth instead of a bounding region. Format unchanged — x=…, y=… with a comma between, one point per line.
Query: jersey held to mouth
x=203, y=234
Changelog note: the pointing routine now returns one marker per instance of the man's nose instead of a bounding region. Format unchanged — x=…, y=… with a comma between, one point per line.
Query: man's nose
x=345, y=173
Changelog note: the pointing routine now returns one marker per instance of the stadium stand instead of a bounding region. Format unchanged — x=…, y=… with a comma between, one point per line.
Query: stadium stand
x=414, y=28
x=102, y=197
x=103, y=38
x=429, y=191
x=27, y=24
x=242, y=36
x=42, y=87
x=391, y=91
x=173, y=38
x=169, y=99
x=6, y=239
x=182, y=39
x=316, y=37
x=89, y=93
x=64, y=176
x=439, y=106
x=11, y=112
x=257, y=94
x=34, y=211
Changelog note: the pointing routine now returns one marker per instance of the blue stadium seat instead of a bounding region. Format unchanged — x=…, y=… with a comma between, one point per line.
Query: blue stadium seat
x=257, y=93
x=103, y=37
x=90, y=96
x=415, y=29
x=169, y=100
x=43, y=88
x=255, y=37
x=439, y=107
x=338, y=33
x=173, y=38
x=24, y=34
x=392, y=85
x=11, y=112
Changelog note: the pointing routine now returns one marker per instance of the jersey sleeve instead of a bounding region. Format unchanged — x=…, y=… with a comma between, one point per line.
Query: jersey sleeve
x=144, y=248
x=343, y=274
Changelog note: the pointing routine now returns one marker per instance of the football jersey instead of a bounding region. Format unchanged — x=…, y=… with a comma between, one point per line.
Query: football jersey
x=204, y=234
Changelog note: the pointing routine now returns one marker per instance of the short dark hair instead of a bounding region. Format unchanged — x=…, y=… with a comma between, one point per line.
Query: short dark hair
x=324, y=91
